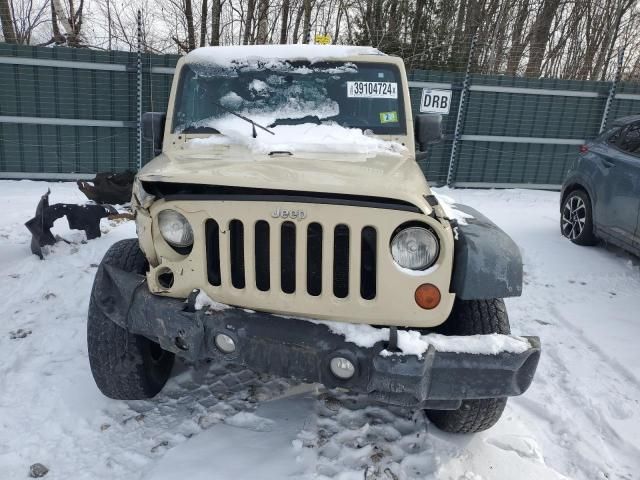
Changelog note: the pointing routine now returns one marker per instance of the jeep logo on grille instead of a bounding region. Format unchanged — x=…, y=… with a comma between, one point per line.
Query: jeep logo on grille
x=292, y=214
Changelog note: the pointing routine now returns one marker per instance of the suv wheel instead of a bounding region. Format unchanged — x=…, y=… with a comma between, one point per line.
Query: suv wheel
x=576, y=219
x=473, y=317
x=125, y=366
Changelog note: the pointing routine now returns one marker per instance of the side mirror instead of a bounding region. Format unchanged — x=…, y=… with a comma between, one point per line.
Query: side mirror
x=428, y=130
x=153, y=129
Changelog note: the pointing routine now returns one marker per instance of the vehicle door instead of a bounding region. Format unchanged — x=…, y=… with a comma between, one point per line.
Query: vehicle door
x=618, y=188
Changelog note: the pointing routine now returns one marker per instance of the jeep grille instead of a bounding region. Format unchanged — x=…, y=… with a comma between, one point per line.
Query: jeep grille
x=289, y=259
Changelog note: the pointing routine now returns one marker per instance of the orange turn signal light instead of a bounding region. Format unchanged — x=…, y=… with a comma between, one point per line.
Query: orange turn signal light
x=427, y=296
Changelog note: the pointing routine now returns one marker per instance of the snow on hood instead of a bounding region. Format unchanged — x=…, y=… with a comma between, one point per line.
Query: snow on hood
x=233, y=55
x=307, y=137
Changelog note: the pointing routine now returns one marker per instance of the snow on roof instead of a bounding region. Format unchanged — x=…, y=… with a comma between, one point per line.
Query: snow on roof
x=246, y=53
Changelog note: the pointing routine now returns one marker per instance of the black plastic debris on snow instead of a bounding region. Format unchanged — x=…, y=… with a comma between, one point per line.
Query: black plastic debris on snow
x=38, y=470
x=80, y=217
x=19, y=334
x=112, y=188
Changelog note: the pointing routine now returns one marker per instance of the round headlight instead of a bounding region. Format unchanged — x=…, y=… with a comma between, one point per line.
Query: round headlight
x=175, y=228
x=415, y=248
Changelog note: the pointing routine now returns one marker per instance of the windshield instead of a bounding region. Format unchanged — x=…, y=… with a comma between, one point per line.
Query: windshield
x=367, y=96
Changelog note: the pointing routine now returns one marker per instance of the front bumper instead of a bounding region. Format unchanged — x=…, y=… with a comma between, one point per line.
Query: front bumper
x=302, y=350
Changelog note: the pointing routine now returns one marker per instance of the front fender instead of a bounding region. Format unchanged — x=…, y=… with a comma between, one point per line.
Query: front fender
x=487, y=262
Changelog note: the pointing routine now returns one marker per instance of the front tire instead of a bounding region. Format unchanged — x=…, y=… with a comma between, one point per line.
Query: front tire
x=576, y=218
x=125, y=366
x=473, y=317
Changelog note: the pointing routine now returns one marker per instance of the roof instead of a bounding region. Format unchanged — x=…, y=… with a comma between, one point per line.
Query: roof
x=626, y=120
x=246, y=53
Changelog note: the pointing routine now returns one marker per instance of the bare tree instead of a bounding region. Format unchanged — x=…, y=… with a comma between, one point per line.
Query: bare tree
x=71, y=19
x=216, y=10
x=248, y=24
x=284, y=21
x=263, y=22
x=203, y=23
x=306, y=29
x=6, y=19
x=540, y=35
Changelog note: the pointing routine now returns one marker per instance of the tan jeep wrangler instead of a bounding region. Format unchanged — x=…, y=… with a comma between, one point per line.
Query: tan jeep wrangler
x=285, y=225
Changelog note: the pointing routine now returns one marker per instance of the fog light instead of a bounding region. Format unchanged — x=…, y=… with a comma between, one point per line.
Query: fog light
x=342, y=367
x=225, y=343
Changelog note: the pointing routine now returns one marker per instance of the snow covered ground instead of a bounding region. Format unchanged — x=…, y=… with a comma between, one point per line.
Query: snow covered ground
x=580, y=419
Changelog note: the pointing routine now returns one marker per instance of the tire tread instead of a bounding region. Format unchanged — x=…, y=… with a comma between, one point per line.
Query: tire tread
x=115, y=355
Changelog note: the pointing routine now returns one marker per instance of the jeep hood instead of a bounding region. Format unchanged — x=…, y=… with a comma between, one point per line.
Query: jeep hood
x=381, y=175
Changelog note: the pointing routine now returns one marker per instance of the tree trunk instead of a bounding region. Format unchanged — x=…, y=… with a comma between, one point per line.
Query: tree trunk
x=109, y=22
x=6, y=20
x=191, y=32
x=540, y=36
x=306, y=29
x=216, y=10
x=296, y=28
x=284, y=28
x=518, y=42
x=338, y=22
x=248, y=24
x=263, y=26
x=203, y=23
x=58, y=38
x=614, y=35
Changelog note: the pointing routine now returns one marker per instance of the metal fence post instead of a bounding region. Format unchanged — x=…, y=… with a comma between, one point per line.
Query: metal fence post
x=139, y=92
x=612, y=91
x=461, y=112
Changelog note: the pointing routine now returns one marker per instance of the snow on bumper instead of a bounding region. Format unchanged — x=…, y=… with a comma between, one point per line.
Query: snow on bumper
x=303, y=350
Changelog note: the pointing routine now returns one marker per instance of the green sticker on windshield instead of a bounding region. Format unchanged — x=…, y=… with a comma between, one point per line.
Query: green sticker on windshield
x=388, y=117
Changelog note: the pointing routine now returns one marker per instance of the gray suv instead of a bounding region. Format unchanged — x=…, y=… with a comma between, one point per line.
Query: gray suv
x=601, y=194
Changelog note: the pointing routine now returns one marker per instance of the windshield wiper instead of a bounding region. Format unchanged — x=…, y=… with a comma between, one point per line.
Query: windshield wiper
x=246, y=119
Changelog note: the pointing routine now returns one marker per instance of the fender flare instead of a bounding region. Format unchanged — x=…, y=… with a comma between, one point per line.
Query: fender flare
x=487, y=262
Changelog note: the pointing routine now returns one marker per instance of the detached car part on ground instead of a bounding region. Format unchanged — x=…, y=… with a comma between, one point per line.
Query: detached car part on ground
x=80, y=217
x=107, y=188
x=286, y=236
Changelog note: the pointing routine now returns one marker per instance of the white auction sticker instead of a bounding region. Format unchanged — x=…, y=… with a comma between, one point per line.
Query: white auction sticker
x=435, y=101
x=372, y=90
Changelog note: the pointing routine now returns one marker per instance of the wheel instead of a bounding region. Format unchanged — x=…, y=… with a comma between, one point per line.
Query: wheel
x=125, y=366
x=576, y=218
x=473, y=317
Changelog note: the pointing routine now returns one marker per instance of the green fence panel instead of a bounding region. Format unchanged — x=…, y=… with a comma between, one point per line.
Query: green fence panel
x=91, y=94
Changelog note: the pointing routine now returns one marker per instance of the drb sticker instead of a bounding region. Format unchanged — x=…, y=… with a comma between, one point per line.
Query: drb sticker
x=372, y=90
x=435, y=101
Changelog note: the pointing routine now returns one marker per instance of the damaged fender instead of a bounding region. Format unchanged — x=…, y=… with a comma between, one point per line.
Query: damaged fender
x=487, y=262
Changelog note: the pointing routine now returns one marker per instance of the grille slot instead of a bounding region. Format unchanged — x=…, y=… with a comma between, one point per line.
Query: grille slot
x=212, y=233
x=236, y=252
x=261, y=246
x=368, y=265
x=314, y=259
x=341, y=261
x=288, y=257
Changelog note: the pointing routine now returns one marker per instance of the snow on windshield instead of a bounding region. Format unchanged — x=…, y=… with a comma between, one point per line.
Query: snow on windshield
x=338, y=106
x=297, y=138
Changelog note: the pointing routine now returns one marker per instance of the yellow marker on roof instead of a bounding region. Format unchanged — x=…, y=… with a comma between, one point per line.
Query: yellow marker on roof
x=323, y=39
